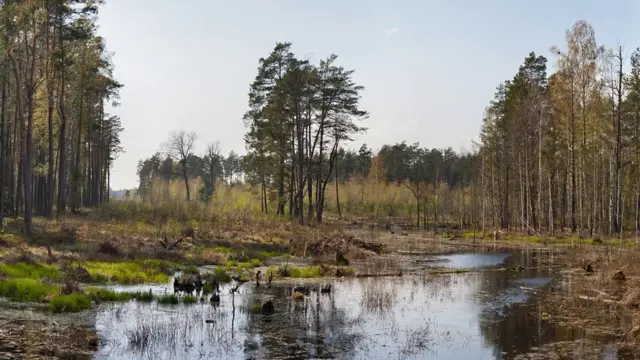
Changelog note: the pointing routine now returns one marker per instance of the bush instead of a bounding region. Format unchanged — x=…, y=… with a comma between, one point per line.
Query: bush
x=69, y=303
x=26, y=290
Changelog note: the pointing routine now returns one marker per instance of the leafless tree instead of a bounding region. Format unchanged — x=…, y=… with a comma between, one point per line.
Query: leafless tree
x=179, y=147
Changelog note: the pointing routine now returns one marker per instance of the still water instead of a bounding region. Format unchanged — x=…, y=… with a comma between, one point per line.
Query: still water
x=476, y=315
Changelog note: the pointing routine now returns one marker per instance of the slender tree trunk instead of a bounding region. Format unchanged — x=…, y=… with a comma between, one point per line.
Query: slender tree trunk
x=3, y=142
x=337, y=192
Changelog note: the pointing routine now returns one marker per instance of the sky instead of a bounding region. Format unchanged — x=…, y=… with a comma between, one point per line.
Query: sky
x=429, y=68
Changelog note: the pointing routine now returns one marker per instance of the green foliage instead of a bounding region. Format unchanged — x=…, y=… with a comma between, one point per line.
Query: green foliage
x=168, y=299
x=25, y=270
x=69, y=303
x=22, y=289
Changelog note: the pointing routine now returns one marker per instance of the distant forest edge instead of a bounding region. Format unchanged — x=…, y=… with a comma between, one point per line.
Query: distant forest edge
x=556, y=153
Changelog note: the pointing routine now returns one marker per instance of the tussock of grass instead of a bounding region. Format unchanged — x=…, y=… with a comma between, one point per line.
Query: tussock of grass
x=189, y=299
x=192, y=270
x=23, y=289
x=138, y=272
x=25, y=270
x=144, y=296
x=69, y=303
x=313, y=271
x=221, y=275
x=169, y=299
x=107, y=295
x=243, y=264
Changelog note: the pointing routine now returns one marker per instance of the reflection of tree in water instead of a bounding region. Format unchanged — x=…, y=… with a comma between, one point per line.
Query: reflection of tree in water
x=510, y=320
x=299, y=329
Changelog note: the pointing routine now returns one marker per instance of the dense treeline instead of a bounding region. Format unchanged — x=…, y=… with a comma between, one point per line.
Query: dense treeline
x=57, y=142
x=562, y=151
x=557, y=151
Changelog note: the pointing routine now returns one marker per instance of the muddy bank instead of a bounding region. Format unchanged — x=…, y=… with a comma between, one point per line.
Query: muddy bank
x=30, y=333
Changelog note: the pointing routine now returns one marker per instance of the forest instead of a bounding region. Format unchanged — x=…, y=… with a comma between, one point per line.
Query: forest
x=57, y=142
x=558, y=149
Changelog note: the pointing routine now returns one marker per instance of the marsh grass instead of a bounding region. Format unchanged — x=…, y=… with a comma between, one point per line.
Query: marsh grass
x=131, y=272
x=98, y=294
x=189, y=299
x=377, y=296
x=243, y=264
x=143, y=296
x=168, y=299
x=26, y=270
x=69, y=303
x=219, y=274
x=26, y=289
x=311, y=271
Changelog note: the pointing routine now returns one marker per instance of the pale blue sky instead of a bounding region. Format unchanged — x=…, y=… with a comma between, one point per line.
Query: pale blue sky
x=429, y=67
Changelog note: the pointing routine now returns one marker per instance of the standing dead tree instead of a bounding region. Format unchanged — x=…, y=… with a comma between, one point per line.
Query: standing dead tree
x=179, y=147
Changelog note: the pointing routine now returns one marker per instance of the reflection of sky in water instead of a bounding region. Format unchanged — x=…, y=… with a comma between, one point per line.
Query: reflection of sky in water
x=411, y=317
x=469, y=261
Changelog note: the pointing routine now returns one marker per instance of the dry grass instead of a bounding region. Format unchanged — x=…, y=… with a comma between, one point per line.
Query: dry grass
x=599, y=301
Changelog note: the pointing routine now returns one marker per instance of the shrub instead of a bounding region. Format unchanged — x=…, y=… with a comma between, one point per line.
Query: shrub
x=69, y=303
x=25, y=290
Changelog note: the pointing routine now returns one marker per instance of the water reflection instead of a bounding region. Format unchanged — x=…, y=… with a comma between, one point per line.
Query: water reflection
x=480, y=315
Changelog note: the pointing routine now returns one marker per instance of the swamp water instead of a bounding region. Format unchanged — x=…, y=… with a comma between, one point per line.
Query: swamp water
x=474, y=315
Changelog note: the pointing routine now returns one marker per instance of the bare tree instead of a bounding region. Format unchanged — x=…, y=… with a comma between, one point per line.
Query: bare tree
x=180, y=146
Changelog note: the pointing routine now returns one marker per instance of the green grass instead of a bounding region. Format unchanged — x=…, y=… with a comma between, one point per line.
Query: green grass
x=207, y=289
x=107, y=295
x=25, y=270
x=221, y=275
x=243, y=264
x=24, y=289
x=143, y=296
x=191, y=270
x=313, y=271
x=69, y=303
x=189, y=299
x=130, y=272
x=169, y=299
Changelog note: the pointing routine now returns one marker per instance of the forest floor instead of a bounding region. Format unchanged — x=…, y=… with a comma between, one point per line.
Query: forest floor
x=138, y=250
